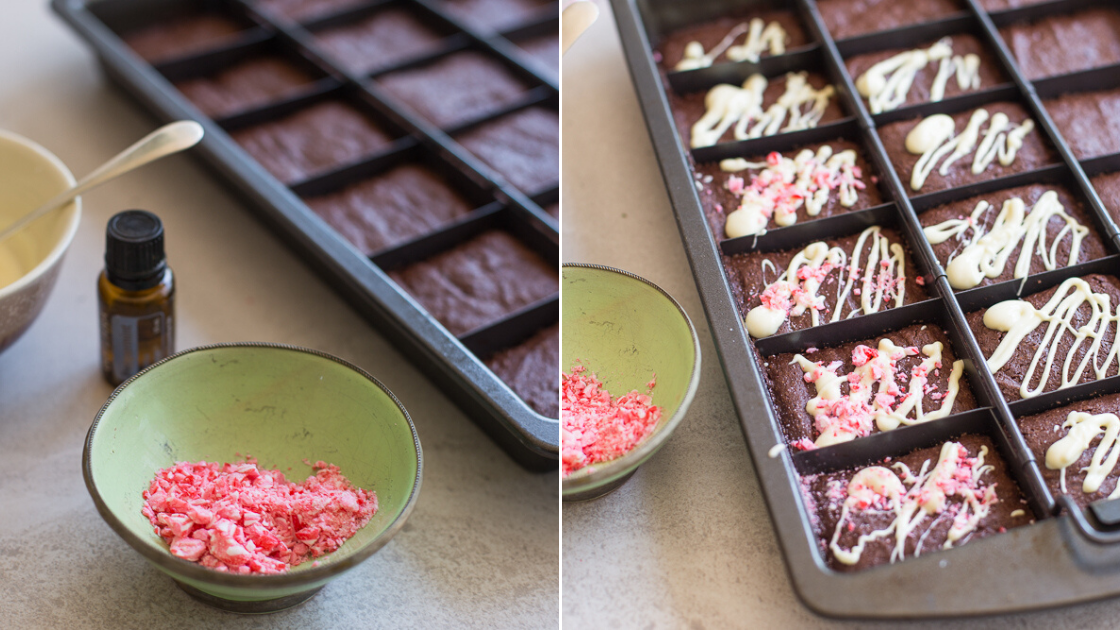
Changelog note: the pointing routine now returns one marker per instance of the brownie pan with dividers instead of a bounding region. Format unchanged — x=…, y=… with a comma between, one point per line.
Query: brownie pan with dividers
x=408, y=150
x=877, y=305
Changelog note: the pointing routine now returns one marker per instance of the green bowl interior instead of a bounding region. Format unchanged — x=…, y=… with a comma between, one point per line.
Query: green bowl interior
x=279, y=405
x=626, y=331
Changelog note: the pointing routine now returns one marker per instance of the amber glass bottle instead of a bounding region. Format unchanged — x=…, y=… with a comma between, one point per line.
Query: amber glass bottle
x=136, y=296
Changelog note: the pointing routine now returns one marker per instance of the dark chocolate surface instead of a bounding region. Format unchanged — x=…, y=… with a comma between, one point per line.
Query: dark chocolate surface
x=1010, y=376
x=711, y=33
x=1091, y=246
x=532, y=370
x=962, y=43
x=748, y=277
x=460, y=87
x=247, y=85
x=1034, y=153
x=479, y=282
x=1059, y=44
x=311, y=141
x=824, y=496
x=391, y=208
x=1107, y=186
x=1001, y=5
x=494, y=15
x=182, y=37
x=689, y=108
x=545, y=49
x=523, y=147
x=718, y=201
x=305, y=9
x=1089, y=121
x=1042, y=430
x=848, y=18
x=791, y=393
x=379, y=41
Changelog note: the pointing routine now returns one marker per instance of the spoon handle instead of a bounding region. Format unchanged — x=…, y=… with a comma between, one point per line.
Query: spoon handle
x=166, y=140
x=575, y=20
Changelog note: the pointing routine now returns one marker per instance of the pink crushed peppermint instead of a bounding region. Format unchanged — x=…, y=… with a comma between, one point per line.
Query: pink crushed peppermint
x=597, y=428
x=244, y=519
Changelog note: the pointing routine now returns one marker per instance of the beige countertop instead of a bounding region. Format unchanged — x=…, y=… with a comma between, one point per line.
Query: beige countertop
x=481, y=548
x=687, y=542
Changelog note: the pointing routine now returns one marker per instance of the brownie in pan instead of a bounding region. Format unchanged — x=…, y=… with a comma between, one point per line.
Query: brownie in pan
x=848, y=18
x=1089, y=121
x=1107, y=186
x=980, y=240
x=181, y=37
x=923, y=502
x=523, y=147
x=1064, y=43
x=381, y=40
x=486, y=16
x=545, y=49
x=943, y=139
x=953, y=65
x=722, y=120
x=303, y=10
x=1067, y=440
x=743, y=36
x=795, y=289
x=903, y=377
x=1003, y=5
x=244, y=86
x=531, y=369
x=748, y=196
x=1052, y=339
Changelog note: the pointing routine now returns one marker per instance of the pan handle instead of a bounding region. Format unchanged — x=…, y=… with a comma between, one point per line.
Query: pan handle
x=1082, y=524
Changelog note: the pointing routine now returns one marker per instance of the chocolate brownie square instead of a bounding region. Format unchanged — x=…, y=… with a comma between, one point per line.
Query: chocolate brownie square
x=494, y=15
x=379, y=41
x=532, y=370
x=1089, y=121
x=246, y=85
x=523, y=147
x=545, y=49
x=182, y=37
x=301, y=10
x=1060, y=44
x=848, y=18
x=1107, y=186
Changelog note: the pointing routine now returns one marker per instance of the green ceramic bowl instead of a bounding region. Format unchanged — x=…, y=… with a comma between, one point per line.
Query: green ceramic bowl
x=280, y=404
x=627, y=329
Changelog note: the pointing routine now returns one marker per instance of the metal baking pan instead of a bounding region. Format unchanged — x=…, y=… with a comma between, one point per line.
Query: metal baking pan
x=1060, y=559
x=455, y=364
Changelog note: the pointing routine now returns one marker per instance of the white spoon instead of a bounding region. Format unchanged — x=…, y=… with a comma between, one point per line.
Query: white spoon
x=576, y=18
x=167, y=140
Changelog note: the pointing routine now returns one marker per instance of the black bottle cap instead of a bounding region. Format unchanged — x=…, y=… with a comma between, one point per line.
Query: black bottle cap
x=134, y=247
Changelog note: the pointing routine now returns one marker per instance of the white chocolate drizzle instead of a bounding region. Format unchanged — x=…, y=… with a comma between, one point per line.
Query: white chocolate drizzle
x=761, y=37
x=886, y=84
x=935, y=136
x=785, y=184
x=794, y=292
x=874, y=396
x=1083, y=429
x=1018, y=318
x=879, y=488
x=801, y=107
x=985, y=254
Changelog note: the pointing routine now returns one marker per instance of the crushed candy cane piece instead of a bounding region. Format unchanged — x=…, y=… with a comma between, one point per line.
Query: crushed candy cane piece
x=597, y=428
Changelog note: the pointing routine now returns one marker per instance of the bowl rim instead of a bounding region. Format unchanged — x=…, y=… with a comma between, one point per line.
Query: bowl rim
x=64, y=243
x=615, y=469
x=192, y=570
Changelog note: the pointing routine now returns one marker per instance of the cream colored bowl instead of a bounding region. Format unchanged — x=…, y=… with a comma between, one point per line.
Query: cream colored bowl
x=30, y=259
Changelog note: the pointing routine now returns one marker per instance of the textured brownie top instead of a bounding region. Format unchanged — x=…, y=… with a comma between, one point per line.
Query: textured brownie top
x=479, y=282
x=1000, y=5
x=911, y=363
x=391, y=208
x=1059, y=44
x=848, y=18
x=1089, y=121
x=184, y=36
x=1034, y=153
x=690, y=108
x=305, y=9
x=1107, y=186
x=1010, y=349
x=710, y=34
x=769, y=186
x=988, y=72
x=247, y=85
x=545, y=49
x=313, y=140
x=524, y=147
x=857, y=509
x=460, y=87
x=381, y=40
x=1074, y=455
x=822, y=276
x=966, y=245
x=532, y=370
x=494, y=15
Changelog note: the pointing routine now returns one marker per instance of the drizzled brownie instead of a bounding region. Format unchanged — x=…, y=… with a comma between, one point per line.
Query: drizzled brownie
x=848, y=18
x=1059, y=44
x=791, y=392
x=1107, y=186
x=523, y=147
x=531, y=369
x=1010, y=376
x=1089, y=121
x=1092, y=247
x=1034, y=153
x=991, y=490
x=379, y=41
x=182, y=37
x=241, y=87
x=670, y=50
x=719, y=201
